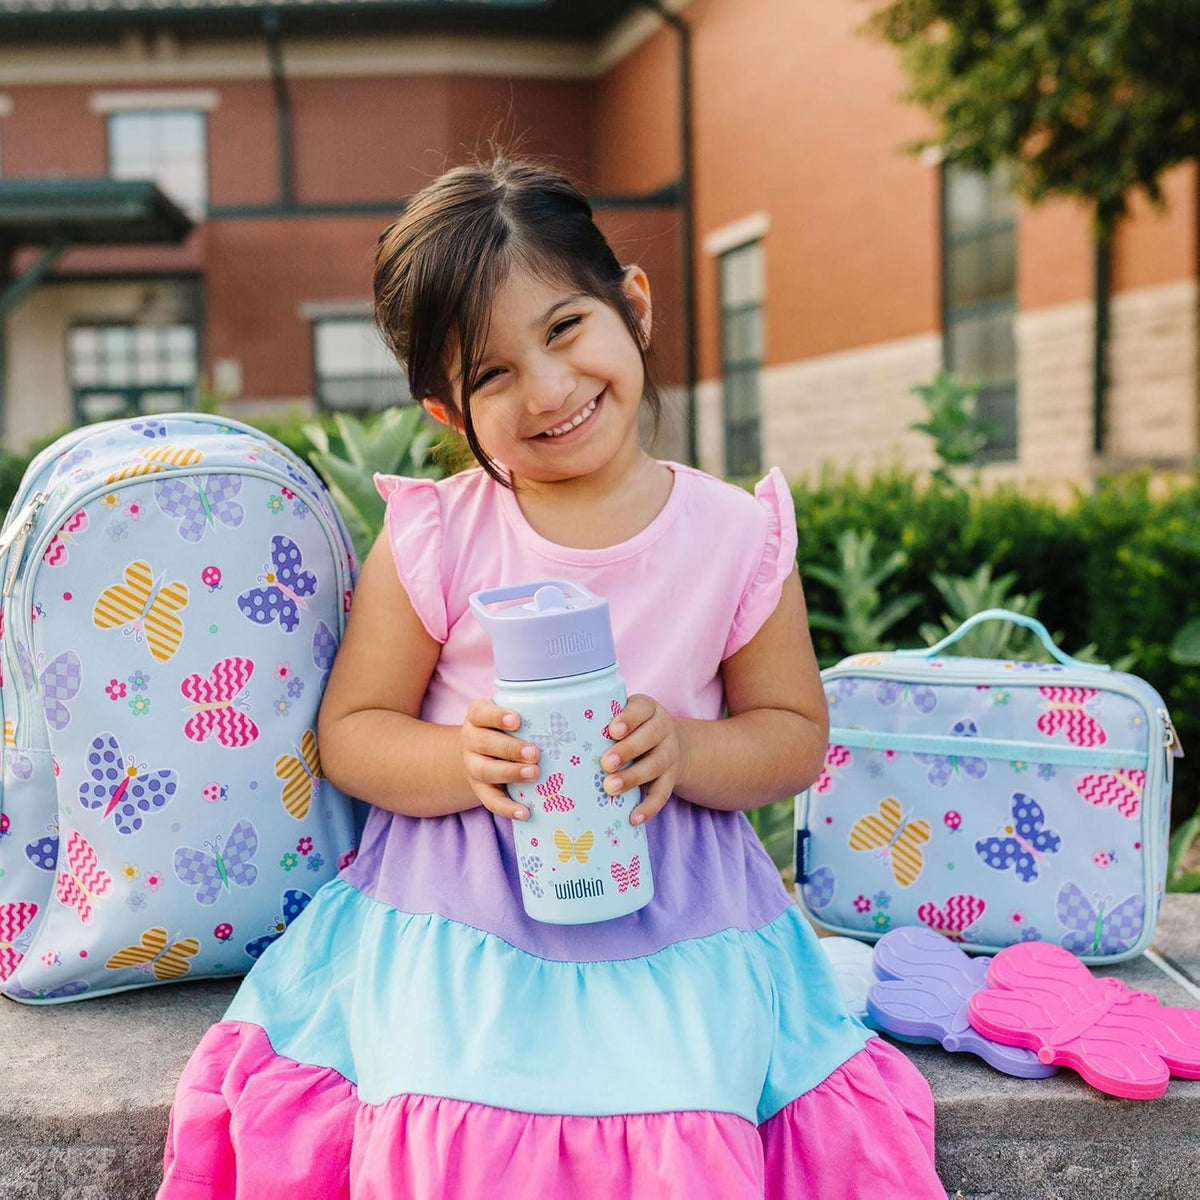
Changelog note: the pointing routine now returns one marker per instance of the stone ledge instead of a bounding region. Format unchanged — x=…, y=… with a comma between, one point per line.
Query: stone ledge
x=89, y=1084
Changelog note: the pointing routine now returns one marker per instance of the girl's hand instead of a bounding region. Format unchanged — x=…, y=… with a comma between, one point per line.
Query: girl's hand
x=494, y=758
x=648, y=743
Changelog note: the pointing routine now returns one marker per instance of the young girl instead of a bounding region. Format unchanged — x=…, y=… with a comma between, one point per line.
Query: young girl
x=415, y=1034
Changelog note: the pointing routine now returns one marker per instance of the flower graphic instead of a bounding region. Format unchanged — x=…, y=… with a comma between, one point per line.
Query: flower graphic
x=882, y=899
x=1030, y=934
x=153, y=880
x=282, y=671
x=304, y=845
x=295, y=688
x=1019, y=766
x=288, y=861
x=139, y=705
x=1046, y=771
x=316, y=862
x=881, y=921
x=130, y=871
x=136, y=900
x=281, y=706
x=1017, y=917
x=111, y=501
x=139, y=681
x=861, y=904
x=115, y=689
x=275, y=504
x=1000, y=696
x=574, y=760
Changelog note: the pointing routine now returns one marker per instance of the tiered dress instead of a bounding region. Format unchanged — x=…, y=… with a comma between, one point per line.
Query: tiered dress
x=415, y=1034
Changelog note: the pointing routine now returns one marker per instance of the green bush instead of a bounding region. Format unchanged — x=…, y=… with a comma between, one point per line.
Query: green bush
x=1117, y=567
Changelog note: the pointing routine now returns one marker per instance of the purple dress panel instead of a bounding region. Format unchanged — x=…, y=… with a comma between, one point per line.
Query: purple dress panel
x=464, y=867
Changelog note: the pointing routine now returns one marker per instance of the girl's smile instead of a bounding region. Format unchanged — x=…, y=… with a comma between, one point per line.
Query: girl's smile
x=574, y=424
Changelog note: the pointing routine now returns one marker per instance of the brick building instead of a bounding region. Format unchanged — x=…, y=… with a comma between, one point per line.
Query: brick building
x=807, y=270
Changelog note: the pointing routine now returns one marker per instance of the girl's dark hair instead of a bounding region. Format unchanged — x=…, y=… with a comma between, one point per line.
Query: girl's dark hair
x=438, y=266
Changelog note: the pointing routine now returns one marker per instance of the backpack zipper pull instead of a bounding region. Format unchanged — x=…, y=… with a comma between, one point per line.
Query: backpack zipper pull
x=12, y=540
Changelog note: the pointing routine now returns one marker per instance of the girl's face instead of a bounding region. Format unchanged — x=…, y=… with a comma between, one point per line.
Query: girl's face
x=560, y=381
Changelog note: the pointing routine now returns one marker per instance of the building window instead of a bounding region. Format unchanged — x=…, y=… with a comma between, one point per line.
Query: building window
x=167, y=146
x=741, y=294
x=354, y=370
x=979, y=296
x=124, y=370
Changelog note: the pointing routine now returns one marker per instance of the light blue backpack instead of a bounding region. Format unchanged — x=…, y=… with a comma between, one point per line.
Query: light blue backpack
x=174, y=589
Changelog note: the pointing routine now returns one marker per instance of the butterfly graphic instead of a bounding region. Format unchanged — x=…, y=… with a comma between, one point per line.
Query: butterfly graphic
x=626, y=877
x=944, y=767
x=149, y=429
x=1024, y=841
x=142, y=605
x=552, y=798
x=551, y=740
x=215, y=868
x=58, y=552
x=301, y=775
x=952, y=918
x=15, y=918
x=614, y=707
x=819, y=887
x=530, y=866
x=922, y=697
x=1122, y=788
x=836, y=757
x=324, y=647
x=125, y=790
x=1096, y=928
x=73, y=987
x=288, y=583
x=84, y=880
x=167, y=961
x=58, y=682
x=895, y=840
x=294, y=903
x=199, y=502
x=577, y=848
x=1065, y=714
x=19, y=763
x=43, y=851
x=151, y=462
x=216, y=704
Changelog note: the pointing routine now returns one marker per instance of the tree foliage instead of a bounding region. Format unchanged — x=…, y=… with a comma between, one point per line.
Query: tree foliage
x=1085, y=98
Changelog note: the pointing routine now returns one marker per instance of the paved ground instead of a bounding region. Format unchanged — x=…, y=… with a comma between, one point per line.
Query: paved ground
x=87, y=1087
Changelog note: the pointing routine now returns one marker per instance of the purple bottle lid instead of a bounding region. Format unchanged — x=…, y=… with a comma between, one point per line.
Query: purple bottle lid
x=549, y=629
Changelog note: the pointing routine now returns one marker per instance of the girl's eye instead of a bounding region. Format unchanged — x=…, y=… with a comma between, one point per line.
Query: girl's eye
x=483, y=380
x=561, y=327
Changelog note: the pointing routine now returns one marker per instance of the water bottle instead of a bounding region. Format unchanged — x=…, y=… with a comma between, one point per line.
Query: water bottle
x=580, y=860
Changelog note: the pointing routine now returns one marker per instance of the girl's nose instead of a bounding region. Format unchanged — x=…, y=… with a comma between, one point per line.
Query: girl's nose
x=549, y=389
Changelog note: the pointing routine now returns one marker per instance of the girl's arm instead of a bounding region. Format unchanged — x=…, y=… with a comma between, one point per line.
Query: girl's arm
x=771, y=744
x=373, y=743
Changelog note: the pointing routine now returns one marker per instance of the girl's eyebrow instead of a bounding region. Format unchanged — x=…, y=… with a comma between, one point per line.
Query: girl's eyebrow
x=574, y=298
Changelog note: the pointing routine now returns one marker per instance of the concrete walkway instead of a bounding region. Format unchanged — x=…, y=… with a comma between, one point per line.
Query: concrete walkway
x=87, y=1087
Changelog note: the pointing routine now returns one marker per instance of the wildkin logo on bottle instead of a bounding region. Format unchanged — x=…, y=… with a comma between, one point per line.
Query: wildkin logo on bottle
x=579, y=889
x=568, y=643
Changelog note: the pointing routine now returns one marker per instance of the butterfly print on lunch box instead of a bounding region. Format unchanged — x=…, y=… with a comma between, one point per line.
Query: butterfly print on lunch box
x=156, y=953
x=895, y=840
x=1022, y=843
x=1065, y=713
x=1101, y=927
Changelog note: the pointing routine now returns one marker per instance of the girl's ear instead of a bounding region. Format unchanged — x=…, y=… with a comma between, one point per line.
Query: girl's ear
x=637, y=289
x=442, y=412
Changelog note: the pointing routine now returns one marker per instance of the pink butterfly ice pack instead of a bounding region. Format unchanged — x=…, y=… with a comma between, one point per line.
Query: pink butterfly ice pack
x=1124, y=1043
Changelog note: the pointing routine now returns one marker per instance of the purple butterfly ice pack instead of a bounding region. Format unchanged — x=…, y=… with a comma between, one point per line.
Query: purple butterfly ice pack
x=926, y=983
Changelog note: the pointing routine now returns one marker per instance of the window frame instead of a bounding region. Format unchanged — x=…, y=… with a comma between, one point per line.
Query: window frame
x=196, y=208
x=134, y=395
x=997, y=398
x=365, y=380
x=742, y=431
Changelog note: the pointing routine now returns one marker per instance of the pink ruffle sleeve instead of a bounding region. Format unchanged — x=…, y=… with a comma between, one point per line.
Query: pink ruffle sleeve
x=775, y=564
x=413, y=522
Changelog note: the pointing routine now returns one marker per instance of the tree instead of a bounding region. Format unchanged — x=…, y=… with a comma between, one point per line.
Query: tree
x=1086, y=98
x=1092, y=99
